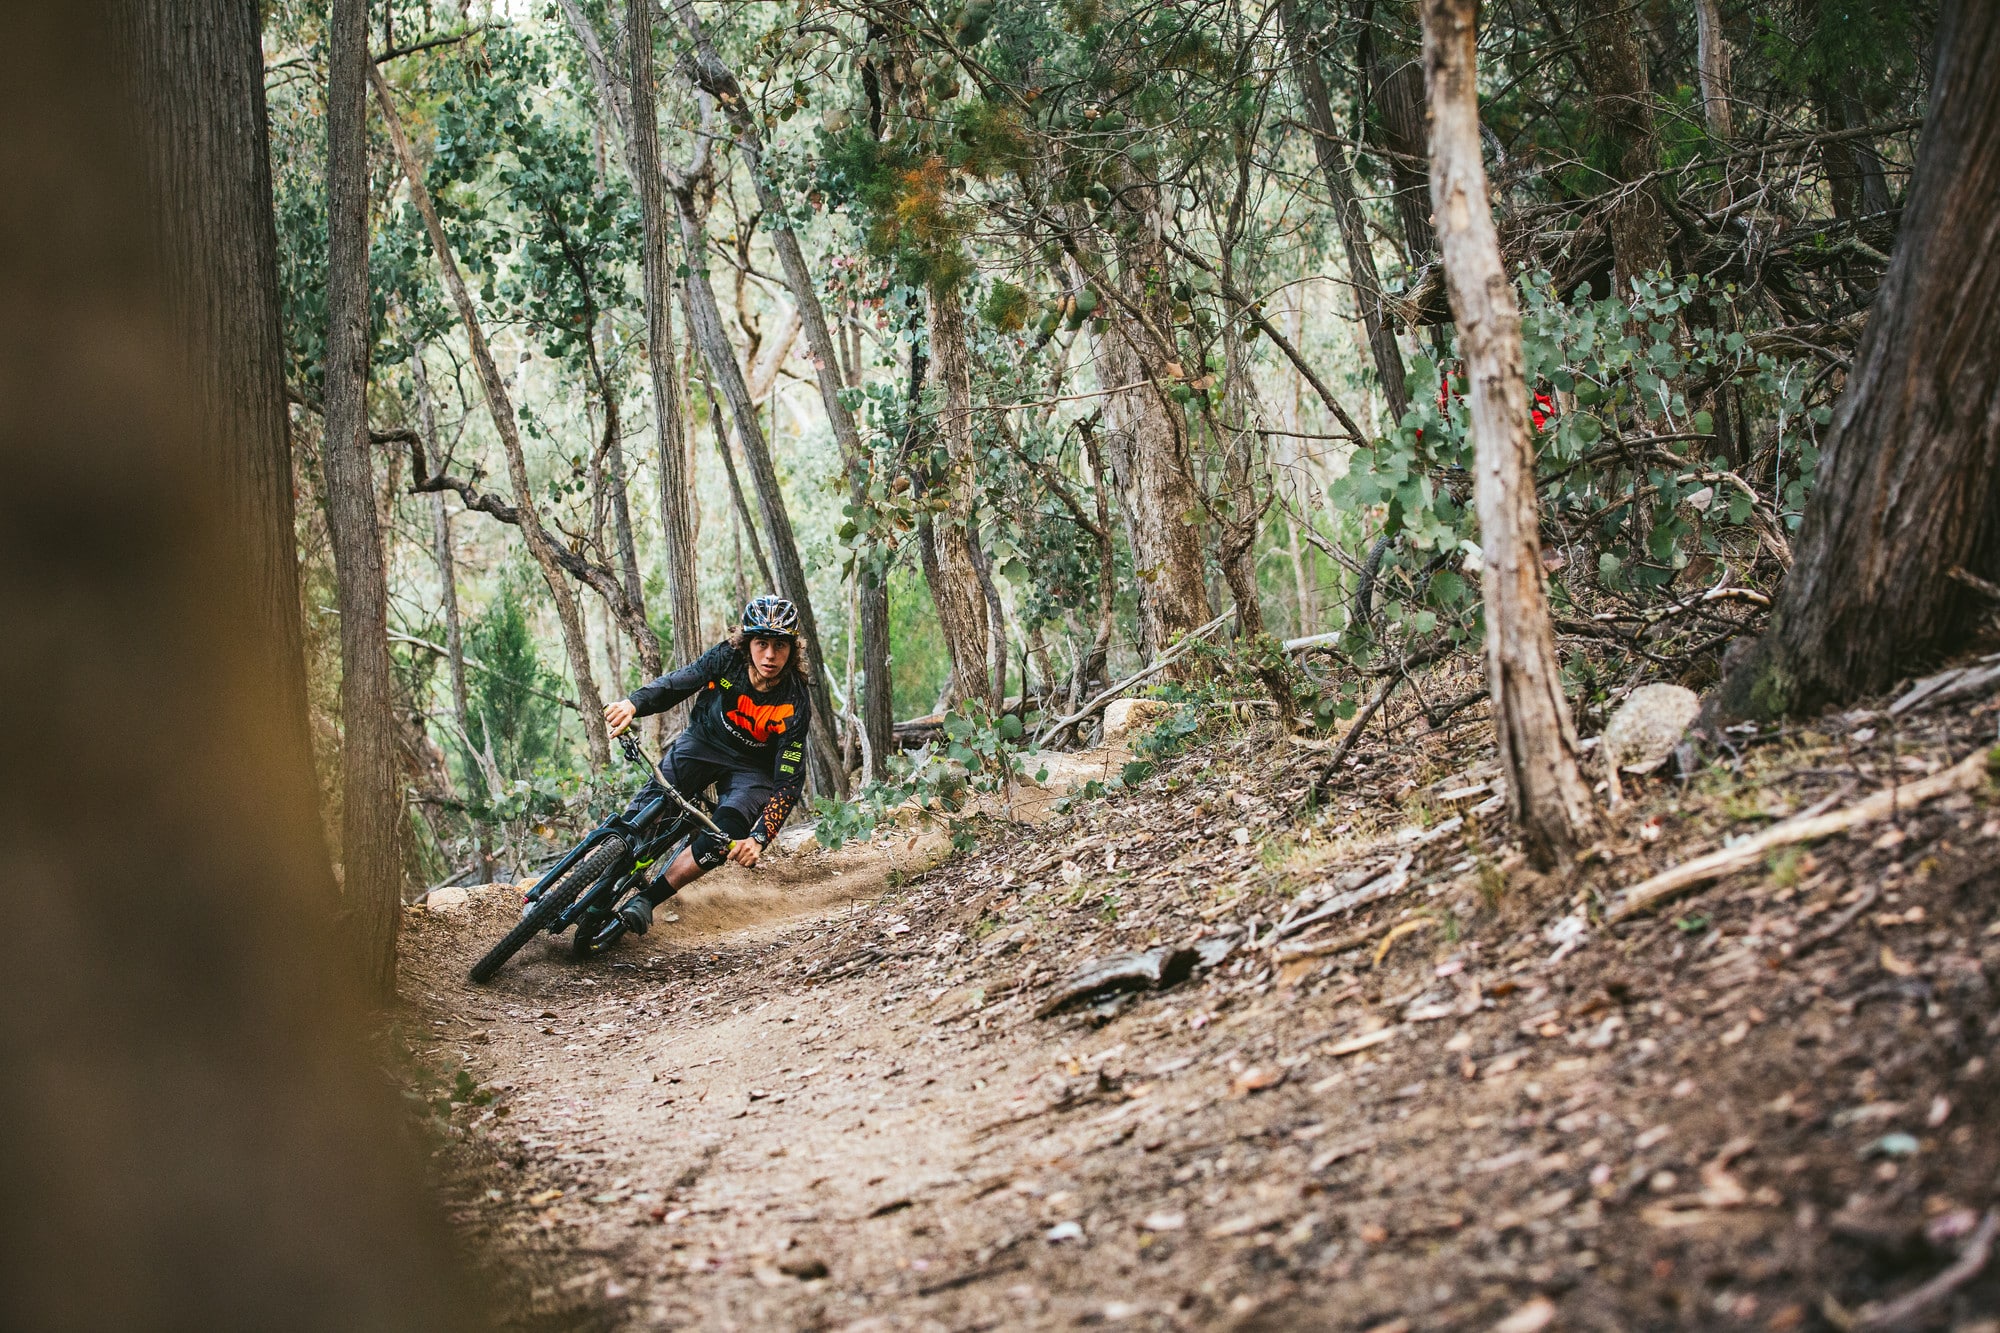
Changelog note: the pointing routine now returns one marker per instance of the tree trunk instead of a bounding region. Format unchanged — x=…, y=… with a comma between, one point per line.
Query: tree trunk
x=1622, y=102
x=501, y=407
x=1712, y=67
x=742, y=506
x=371, y=805
x=193, y=77
x=628, y=609
x=442, y=548
x=876, y=708
x=1546, y=794
x=954, y=573
x=1347, y=209
x=705, y=325
x=1912, y=459
x=1145, y=443
x=195, y=1134
x=676, y=481
x=1397, y=89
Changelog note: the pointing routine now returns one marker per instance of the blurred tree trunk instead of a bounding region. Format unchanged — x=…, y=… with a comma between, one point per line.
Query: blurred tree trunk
x=642, y=141
x=198, y=102
x=954, y=572
x=1546, y=794
x=1621, y=96
x=1347, y=210
x=1909, y=474
x=500, y=406
x=371, y=794
x=196, y=1135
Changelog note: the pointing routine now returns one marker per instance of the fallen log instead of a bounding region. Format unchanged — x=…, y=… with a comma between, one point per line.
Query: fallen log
x=1969, y=773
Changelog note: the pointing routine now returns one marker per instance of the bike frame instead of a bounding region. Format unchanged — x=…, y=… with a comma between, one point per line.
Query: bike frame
x=647, y=837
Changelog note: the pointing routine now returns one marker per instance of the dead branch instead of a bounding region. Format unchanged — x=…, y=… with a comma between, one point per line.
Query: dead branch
x=1965, y=775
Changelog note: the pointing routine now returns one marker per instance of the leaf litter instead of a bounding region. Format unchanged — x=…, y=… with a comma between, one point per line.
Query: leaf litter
x=1365, y=1069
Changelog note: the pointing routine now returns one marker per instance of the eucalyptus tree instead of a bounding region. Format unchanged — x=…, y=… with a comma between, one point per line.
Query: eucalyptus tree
x=1909, y=495
x=371, y=794
x=1546, y=794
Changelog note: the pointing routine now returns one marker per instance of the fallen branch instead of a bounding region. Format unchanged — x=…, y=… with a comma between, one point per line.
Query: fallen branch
x=1965, y=775
x=1159, y=664
x=1905, y=1311
x=1361, y=720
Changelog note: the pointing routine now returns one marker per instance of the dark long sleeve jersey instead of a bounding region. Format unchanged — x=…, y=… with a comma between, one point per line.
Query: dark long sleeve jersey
x=765, y=730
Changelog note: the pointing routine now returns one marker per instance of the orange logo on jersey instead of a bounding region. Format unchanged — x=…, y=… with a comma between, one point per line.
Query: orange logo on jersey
x=762, y=721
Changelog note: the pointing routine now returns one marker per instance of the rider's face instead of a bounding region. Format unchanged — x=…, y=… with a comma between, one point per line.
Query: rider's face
x=768, y=656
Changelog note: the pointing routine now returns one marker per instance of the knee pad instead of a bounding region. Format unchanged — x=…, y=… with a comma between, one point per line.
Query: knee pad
x=711, y=851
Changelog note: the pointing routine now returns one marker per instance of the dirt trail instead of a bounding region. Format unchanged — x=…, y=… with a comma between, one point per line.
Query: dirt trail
x=822, y=1100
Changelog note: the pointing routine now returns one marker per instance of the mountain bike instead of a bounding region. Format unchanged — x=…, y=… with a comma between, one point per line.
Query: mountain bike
x=585, y=889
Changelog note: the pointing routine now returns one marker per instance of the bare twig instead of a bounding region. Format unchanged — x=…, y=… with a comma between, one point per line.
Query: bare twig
x=1906, y=1311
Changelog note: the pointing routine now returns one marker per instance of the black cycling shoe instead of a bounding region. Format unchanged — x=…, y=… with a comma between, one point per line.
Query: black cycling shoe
x=637, y=914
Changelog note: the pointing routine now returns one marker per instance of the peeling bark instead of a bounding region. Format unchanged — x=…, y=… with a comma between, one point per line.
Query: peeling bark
x=1546, y=794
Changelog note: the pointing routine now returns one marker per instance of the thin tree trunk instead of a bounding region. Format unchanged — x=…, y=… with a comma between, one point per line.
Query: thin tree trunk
x=447, y=563
x=1095, y=664
x=1546, y=794
x=676, y=482
x=193, y=78
x=1622, y=101
x=1712, y=67
x=741, y=506
x=1909, y=472
x=612, y=477
x=877, y=714
x=996, y=628
x=371, y=797
x=961, y=603
x=705, y=325
x=194, y=1135
x=501, y=407
x=1361, y=269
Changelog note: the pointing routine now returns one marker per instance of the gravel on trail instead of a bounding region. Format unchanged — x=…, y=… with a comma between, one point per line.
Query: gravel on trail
x=1404, y=1082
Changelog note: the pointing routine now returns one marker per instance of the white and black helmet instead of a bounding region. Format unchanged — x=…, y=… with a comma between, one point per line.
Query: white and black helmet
x=771, y=617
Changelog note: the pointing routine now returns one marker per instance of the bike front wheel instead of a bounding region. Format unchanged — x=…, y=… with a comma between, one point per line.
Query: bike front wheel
x=549, y=906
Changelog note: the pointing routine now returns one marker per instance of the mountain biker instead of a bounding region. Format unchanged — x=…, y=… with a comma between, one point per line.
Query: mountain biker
x=746, y=734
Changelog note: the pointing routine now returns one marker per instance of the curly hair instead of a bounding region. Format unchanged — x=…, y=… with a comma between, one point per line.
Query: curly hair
x=798, y=663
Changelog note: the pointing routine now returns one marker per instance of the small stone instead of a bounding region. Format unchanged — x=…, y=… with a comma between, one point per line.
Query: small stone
x=1647, y=726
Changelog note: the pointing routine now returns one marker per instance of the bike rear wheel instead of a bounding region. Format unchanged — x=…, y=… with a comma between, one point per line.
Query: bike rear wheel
x=546, y=908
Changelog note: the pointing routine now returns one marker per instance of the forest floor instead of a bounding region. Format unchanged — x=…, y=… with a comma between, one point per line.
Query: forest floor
x=829, y=1096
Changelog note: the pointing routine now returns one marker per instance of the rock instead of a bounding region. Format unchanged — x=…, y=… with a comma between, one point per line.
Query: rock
x=792, y=840
x=1647, y=726
x=448, y=898
x=1122, y=717
x=1155, y=969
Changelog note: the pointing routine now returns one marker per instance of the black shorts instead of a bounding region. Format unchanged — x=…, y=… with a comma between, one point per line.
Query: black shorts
x=741, y=792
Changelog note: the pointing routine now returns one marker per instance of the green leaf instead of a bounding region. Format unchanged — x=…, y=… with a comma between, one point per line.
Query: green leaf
x=1704, y=423
x=1010, y=727
x=1136, y=771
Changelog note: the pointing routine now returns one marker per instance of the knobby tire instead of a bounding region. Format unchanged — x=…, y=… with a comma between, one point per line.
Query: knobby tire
x=547, y=907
